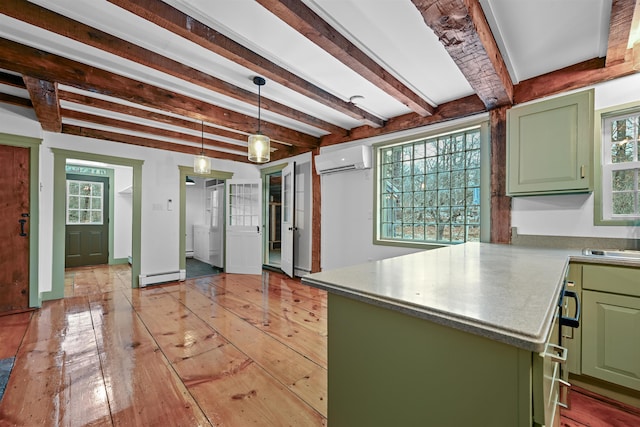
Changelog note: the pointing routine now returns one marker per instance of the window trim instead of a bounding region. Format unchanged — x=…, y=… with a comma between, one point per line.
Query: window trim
x=598, y=197
x=485, y=180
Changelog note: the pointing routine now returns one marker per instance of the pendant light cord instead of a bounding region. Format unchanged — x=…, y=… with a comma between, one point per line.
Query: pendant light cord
x=202, y=137
x=258, y=109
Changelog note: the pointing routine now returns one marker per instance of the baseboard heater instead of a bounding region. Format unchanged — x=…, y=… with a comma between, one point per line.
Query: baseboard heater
x=152, y=279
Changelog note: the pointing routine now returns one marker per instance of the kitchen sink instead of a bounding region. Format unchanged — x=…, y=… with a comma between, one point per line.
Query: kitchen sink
x=613, y=253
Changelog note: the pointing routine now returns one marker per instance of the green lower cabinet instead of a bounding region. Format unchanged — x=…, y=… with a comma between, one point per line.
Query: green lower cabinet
x=611, y=337
x=386, y=368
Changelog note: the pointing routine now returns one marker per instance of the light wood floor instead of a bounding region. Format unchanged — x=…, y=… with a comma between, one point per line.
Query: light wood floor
x=209, y=351
x=225, y=350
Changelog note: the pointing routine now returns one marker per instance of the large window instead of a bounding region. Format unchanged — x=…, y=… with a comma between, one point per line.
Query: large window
x=620, y=161
x=429, y=189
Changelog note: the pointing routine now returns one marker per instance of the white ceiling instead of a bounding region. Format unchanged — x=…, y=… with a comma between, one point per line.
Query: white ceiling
x=534, y=37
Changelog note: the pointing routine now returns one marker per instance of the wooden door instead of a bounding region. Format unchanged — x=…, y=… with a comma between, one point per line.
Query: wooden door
x=244, y=226
x=14, y=228
x=288, y=221
x=87, y=221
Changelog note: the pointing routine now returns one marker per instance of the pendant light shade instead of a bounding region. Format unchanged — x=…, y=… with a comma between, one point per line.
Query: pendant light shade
x=259, y=145
x=259, y=148
x=202, y=163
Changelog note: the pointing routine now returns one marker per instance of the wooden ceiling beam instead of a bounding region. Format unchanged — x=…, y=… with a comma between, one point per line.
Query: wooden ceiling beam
x=128, y=110
x=33, y=14
x=175, y=21
x=462, y=107
x=619, y=30
x=574, y=77
x=89, y=132
x=15, y=100
x=151, y=130
x=12, y=80
x=46, y=66
x=465, y=33
x=304, y=20
x=44, y=97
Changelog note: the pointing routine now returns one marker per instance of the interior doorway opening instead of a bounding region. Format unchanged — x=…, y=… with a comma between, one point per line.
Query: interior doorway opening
x=273, y=220
x=204, y=216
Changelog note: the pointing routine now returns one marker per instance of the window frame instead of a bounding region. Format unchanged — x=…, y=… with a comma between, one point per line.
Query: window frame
x=485, y=176
x=600, y=198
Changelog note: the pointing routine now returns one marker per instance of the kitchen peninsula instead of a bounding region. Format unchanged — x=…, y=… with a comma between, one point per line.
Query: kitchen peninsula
x=453, y=336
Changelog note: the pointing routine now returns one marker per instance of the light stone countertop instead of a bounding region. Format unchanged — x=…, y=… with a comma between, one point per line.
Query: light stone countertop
x=502, y=292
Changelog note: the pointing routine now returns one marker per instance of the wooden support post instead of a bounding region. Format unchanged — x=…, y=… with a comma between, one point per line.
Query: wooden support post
x=500, y=203
x=316, y=203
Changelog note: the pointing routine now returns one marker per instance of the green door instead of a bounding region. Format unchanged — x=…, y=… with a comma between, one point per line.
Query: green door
x=87, y=221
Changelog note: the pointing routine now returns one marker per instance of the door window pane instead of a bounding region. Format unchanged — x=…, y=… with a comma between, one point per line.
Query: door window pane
x=84, y=202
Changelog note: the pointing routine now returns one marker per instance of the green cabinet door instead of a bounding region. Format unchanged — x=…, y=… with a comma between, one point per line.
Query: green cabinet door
x=550, y=146
x=611, y=338
x=571, y=337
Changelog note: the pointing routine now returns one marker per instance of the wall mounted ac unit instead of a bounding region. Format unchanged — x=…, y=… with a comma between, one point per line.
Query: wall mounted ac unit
x=351, y=158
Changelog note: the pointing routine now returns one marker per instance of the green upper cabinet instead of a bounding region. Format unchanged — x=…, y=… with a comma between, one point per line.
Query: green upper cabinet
x=550, y=146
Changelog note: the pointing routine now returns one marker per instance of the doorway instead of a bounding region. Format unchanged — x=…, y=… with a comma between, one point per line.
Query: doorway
x=204, y=226
x=187, y=220
x=134, y=191
x=273, y=220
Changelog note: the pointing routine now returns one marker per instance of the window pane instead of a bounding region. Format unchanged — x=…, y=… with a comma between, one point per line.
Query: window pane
x=623, y=180
x=624, y=204
x=622, y=152
x=623, y=129
x=74, y=187
x=387, y=156
x=96, y=217
x=74, y=202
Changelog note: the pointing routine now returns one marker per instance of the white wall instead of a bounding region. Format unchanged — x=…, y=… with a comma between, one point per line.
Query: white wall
x=160, y=183
x=122, y=211
x=573, y=215
x=347, y=221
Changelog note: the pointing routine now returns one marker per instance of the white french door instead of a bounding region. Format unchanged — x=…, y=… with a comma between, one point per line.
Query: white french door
x=288, y=221
x=217, y=225
x=244, y=226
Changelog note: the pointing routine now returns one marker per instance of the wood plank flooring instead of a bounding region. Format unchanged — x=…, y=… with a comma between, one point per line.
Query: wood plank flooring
x=223, y=350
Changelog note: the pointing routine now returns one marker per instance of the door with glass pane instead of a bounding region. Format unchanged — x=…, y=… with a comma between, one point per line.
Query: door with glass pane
x=244, y=226
x=288, y=227
x=87, y=221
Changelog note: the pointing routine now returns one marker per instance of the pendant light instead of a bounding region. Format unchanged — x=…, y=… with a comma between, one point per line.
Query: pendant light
x=202, y=163
x=259, y=144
